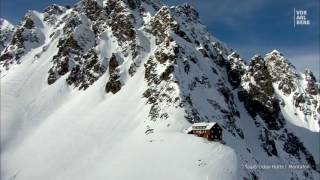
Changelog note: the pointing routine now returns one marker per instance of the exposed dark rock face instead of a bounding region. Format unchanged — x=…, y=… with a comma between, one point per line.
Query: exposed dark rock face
x=114, y=84
x=166, y=74
x=162, y=57
x=25, y=32
x=286, y=86
x=91, y=9
x=268, y=143
x=281, y=71
x=160, y=83
x=259, y=98
x=7, y=30
x=5, y=56
x=311, y=87
x=288, y=81
x=159, y=24
x=220, y=60
x=18, y=38
x=87, y=71
x=28, y=23
x=113, y=64
x=188, y=12
x=133, y=4
x=121, y=23
x=52, y=77
x=159, y=89
x=232, y=114
x=164, y=20
x=150, y=72
x=259, y=71
x=203, y=52
x=76, y=53
x=235, y=67
x=50, y=13
x=296, y=148
x=256, y=91
x=6, y=35
x=68, y=48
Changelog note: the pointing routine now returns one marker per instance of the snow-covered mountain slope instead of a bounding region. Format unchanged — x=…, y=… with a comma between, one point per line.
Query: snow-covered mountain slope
x=105, y=89
x=6, y=29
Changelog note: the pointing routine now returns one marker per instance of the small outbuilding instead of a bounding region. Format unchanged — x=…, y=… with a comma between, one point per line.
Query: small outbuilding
x=211, y=131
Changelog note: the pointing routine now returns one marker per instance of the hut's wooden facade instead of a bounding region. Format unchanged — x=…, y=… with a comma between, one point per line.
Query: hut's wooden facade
x=211, y=131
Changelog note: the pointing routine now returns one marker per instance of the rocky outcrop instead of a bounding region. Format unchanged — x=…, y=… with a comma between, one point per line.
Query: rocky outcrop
x=87, y=71
x=235, y=68
x=114, y=84
x=25, y=33
x=258, y=96
x=7, y=30
x=121, y=22
x=311, y=83
x=160, y=23
x=6, y=35
x=296, y=148
x=91, y=9
x=51, y=13
x=187, y=73
x=281, y=72
x=68, y=48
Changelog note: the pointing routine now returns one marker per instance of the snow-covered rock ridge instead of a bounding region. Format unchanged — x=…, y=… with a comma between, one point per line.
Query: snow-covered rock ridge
x=6, y=29
x=104, y=90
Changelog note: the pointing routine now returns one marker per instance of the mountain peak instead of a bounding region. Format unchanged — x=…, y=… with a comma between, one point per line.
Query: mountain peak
x=7, y=30
x=275, y=51
x=105, y=76
x=131, y=3
x=188, y=11
x=5, y=24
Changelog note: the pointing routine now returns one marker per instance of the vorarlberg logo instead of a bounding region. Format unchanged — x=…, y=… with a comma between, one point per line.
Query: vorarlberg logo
x=300, y=18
